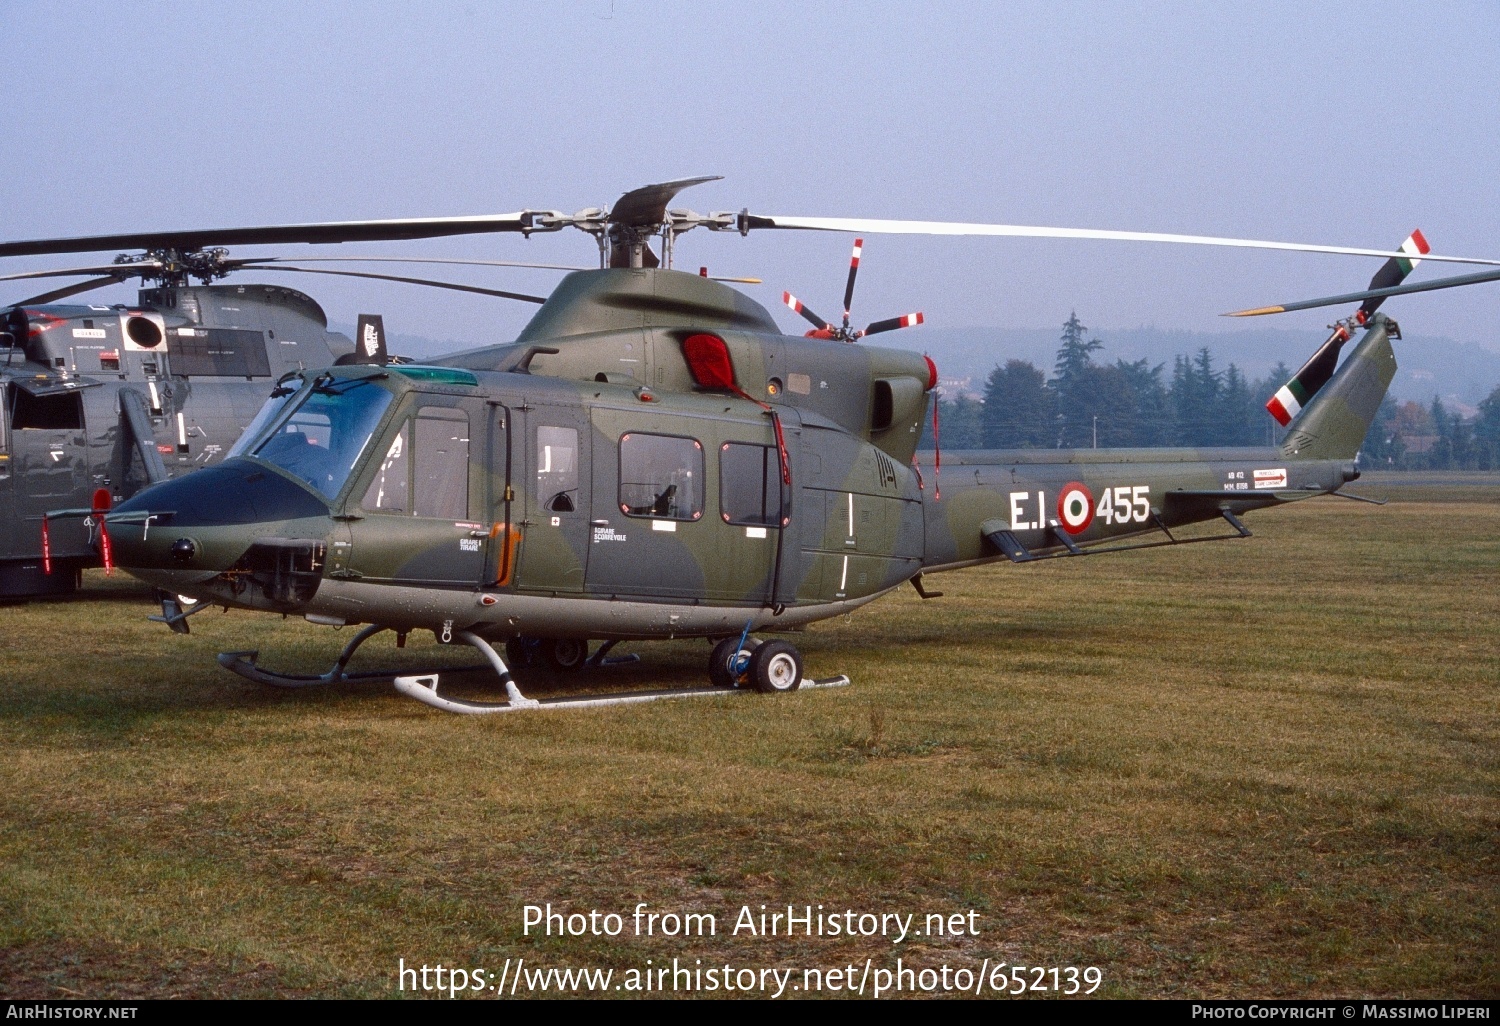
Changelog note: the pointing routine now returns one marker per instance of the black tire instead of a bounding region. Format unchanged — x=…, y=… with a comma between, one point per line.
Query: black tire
x=565, y=655
x=720, y=675
x=776, y=666
x=523, y=653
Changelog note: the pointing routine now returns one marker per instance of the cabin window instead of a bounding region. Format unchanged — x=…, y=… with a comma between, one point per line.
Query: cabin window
x=557, y=468
x=661, y=476
x=440, y=476
x=61, y=411
x=749, y=484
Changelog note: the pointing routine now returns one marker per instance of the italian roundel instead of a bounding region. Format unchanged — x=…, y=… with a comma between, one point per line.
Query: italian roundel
x=1075, y=508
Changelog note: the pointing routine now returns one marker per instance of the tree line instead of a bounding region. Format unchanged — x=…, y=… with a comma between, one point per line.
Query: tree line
x=1411, y=436
x=1087, y=404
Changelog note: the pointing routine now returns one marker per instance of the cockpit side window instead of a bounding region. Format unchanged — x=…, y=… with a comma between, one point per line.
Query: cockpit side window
x=425, y=469
x=440, y=479
x=390, y=492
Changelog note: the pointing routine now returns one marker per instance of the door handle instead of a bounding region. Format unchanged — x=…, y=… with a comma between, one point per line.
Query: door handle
x=479, y=534
x=598, y=523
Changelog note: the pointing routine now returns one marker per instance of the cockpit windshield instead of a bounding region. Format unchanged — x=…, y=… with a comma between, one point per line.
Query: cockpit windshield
x=322, y=437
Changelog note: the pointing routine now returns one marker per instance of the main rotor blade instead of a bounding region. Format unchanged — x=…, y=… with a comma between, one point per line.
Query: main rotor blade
x=1355, y=297
x=853, y=270
x=796, y=304
x=119, y=271
x=67, y=290
x=249, y=261
x=854, y=224
x=646, y=207
x=327, y=231
x=409, y=281
x=911, y=320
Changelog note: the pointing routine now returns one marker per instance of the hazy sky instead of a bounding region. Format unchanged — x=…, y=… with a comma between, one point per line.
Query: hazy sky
x=1348, y=123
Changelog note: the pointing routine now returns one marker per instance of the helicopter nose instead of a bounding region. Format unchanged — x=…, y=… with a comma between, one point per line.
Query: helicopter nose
x=194, y=527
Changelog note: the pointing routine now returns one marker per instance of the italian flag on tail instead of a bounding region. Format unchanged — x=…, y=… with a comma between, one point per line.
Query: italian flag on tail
x=1287, y=402
x=1291, y=397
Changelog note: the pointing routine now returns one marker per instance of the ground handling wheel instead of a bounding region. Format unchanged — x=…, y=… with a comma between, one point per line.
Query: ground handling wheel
x=776, y=666
x=721, y=674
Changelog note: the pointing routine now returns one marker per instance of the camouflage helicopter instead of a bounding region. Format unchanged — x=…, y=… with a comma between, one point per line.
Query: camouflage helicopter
x=653, y=458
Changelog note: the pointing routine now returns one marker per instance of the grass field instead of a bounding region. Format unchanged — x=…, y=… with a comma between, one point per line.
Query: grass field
x=1257, y=768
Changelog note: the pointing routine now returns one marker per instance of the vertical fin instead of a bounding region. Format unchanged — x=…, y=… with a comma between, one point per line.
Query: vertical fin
x=369, y=340
x=1335, y=421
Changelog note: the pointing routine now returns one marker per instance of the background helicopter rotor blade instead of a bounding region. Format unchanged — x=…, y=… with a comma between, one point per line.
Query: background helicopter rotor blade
x=853, y=270
x=251, y=261
x=1355, y=297
x=325, y=232
x=744, y=222
x=67, y=290
x=117, y=270
x=797, y=305
x=454, y=286
x=646, y=207
x=911, y=320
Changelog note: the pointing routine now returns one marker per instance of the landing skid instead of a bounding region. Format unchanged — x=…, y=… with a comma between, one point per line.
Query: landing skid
x=424, y=688
x=243, y=663
x=423, y=684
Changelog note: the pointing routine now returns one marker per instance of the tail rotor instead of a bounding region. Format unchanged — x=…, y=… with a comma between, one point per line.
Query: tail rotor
x=1314, y=374
x=844, y=332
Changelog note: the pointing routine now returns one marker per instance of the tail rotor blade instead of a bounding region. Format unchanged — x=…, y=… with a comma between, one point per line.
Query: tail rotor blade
x=910, y=320
x=1394, y=271
x=853, y=270
x=797, y=305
